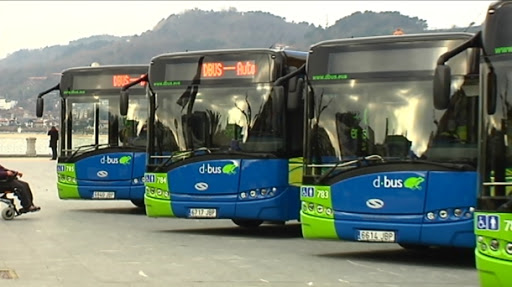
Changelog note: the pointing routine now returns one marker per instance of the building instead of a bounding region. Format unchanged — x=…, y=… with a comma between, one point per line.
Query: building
x=7, y=105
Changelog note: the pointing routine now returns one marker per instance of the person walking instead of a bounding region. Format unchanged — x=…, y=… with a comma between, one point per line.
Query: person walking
x=54, y=137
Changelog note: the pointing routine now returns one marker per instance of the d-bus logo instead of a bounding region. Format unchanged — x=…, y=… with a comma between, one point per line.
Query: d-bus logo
x=412, y=183
x=114, y=160
x=229, y=169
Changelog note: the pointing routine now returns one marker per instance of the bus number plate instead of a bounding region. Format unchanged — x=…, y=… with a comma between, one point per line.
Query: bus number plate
x=103, y=195
x=376, y=236
x=202, y=213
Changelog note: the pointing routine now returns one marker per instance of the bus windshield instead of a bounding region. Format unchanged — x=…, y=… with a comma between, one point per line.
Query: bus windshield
x=497, y=163
x=240, y=118
x=392, y=118
x=95, y=121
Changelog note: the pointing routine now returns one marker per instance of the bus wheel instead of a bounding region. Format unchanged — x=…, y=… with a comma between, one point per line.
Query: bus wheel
x=246, y=223
x=414, y=247
x=138, y=202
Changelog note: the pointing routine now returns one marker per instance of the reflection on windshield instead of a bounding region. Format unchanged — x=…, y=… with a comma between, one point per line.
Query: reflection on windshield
x=224, y=118
x=393, y=119
x=94, y=120
x=133, y=128
x=498, y=127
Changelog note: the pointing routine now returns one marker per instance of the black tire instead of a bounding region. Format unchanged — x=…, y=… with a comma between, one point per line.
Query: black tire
x=247, y=223
x=8, y=213
x=414, y=247
x=138, y=202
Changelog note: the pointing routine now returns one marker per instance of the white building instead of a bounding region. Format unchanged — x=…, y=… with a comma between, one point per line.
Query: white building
x=7, y=105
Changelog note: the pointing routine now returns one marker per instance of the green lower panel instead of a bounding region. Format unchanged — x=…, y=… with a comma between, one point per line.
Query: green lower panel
x=317, y=228
x=158, y=207
x=68, y=191
x=493, y=272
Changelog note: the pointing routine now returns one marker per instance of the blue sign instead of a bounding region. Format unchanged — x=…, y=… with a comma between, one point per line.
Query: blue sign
x=149, y=178
x=488, y=222
x=60, y=168
x=307, y=191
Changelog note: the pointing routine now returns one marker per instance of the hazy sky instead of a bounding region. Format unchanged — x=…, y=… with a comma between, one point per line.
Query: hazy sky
x=37, y=24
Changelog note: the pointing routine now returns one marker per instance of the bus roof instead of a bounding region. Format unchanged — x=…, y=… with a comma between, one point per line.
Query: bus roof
x=287, y=53
x=394, y=39
x=102, y=68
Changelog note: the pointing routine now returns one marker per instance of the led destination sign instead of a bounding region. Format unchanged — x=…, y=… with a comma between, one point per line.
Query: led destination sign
x=179, y=72
x=231, y=69
x=104, y=81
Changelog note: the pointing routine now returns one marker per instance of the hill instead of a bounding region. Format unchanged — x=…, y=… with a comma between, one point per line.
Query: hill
x=28, y=72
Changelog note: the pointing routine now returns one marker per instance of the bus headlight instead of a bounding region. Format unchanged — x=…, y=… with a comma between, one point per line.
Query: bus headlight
x=483, y=246
x=495, y=245
x=319, y=209
x=263, y=191
x=457, y=212
x=311, y=206
x=304, y=206
x=431, y=216
x=253, y=193
x=328, y=211
x=508, y=248
x=443, y=214
x=471, y=209
x=480, y=239
x=243, y=195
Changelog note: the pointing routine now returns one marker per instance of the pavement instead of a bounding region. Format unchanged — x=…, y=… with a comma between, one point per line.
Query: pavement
x=113, y=243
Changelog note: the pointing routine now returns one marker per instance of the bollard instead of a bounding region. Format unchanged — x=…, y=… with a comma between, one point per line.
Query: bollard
x=31, y=147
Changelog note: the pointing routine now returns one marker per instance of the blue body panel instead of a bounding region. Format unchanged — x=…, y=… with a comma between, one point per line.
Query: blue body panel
x=239, y=188
x=407, y=198
x=106, y=172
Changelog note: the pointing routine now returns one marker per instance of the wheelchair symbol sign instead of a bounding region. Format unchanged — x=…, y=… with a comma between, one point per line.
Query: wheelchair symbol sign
x=488, y=222
x=307, y=191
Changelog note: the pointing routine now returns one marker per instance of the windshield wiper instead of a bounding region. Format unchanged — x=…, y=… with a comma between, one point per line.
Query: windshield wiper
x=180, y=155
x=244, y=153
x=344, y=163
x=461, y=165
x=85, y=148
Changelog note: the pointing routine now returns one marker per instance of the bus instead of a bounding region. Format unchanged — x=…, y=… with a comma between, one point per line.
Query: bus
x=381, y=164
x=225, y=135
x=102, y=155
x=493, y=216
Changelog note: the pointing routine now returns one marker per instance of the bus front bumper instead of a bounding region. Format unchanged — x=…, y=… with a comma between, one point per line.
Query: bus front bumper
x=493, y=272
x=158, y=207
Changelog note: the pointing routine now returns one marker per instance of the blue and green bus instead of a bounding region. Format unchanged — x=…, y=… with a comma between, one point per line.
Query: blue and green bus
x=381, y=163
x=102, y=155
x=225, y=135
x=493, y=216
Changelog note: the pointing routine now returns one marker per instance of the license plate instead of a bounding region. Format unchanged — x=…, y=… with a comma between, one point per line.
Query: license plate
x=202, y=213
x=103, y=195
x=376, y=236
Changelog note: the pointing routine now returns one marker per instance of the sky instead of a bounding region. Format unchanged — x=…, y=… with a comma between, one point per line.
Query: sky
x=39, y=24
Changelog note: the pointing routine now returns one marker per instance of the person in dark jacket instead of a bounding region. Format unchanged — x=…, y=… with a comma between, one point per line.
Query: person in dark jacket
x=54, y=137
x=22, y=189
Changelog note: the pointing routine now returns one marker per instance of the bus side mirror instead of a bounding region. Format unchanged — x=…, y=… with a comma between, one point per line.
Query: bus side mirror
x=442, y=83
x=39, y=107
x=278, y=91
x=310, y=104
x=491, y=93
x=295, y=87
x=123, y=103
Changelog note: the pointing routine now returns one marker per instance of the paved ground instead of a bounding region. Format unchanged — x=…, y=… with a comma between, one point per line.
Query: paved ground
x=90, y=243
